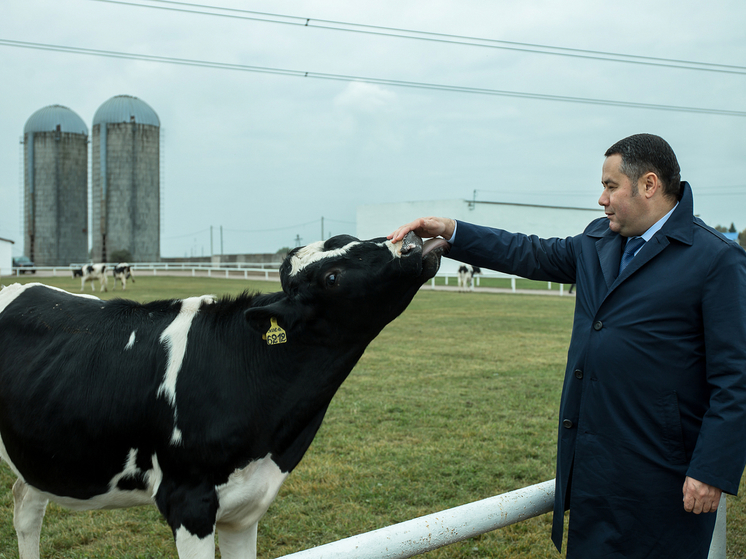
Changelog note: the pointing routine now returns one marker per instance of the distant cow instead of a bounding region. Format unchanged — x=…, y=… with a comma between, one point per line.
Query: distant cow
x=200, y=406
x=123, y=272
x=92, y=272
x=466, y=273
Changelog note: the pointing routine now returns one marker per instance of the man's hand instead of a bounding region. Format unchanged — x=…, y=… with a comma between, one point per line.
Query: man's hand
x=426, y=227
x=700, y=497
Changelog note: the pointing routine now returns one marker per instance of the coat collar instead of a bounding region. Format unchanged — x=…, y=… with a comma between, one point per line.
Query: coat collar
x=609, y=244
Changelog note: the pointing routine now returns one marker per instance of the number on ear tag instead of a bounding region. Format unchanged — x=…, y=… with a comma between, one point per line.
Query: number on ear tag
x=275, y=334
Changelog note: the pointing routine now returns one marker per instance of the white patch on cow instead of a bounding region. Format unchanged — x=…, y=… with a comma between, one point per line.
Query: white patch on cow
x=176, y=435
x=12, y=292
x=247, y=494
x=175, y=339
x=315, y=252
x=130, y=469
x=154, y=476
x=114, y=498
x=190, y=546
x=131, y=342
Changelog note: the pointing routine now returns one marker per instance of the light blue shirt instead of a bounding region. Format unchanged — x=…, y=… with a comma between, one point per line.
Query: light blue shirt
x=647, y=235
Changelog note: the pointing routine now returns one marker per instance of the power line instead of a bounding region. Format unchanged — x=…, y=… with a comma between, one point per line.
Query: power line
x=437, y=37
x=351, y=78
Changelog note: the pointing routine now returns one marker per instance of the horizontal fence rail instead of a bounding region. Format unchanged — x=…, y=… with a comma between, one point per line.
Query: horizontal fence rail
x=245, y=270
x=268, y=271
x=440, y=529
x=426, y=533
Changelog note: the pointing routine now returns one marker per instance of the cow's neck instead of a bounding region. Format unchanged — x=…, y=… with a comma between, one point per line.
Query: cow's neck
x=308, y=386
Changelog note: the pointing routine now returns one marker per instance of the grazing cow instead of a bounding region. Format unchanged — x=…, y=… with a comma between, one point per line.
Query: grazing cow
x=466, y=273
x=123, y=272
x=92, y=272
x=200, y=406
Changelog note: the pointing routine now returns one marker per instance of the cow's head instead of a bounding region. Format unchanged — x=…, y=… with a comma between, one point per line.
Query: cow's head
x=347, y=288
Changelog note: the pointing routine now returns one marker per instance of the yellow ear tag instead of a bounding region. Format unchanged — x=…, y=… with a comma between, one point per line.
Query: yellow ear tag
x=275, y=334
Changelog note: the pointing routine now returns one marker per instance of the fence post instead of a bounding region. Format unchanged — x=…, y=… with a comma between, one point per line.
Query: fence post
x=717, y=546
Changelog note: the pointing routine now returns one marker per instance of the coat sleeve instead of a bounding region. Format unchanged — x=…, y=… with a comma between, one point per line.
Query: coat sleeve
x=522, y=255
x=719, y=456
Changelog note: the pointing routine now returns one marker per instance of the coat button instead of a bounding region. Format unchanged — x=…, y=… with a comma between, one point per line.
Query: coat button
x=578, y=374
x=598, y=325
x=567, y=424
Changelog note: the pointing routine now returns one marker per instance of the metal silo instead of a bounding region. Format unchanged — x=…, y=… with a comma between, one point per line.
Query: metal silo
x=125, y=177
x=55, y=142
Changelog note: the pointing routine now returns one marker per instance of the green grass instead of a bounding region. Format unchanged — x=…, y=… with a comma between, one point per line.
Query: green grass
x=455, y=401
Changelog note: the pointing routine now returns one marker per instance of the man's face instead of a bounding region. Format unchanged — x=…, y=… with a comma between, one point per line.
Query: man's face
x=624, y=205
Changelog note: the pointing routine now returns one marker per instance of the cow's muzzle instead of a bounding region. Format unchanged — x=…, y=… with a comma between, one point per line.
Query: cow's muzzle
x=430, y=250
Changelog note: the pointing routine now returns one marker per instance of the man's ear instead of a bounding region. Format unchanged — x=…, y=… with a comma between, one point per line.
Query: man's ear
x=260, y=318
x=650, y=183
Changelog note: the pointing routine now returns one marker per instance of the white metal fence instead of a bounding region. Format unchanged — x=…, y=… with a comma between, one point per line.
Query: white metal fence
x=226, y=269
x=440, y=529
x=245, y=270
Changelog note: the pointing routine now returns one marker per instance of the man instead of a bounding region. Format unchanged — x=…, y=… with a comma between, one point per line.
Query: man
x=653, y=406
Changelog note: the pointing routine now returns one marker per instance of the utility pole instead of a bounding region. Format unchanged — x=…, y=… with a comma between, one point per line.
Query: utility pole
x=221, y=243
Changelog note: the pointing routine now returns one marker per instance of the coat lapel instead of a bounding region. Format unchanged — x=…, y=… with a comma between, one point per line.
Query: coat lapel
x=609, y=248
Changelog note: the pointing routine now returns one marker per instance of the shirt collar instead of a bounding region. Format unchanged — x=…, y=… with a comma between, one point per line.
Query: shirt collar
x=647, y=235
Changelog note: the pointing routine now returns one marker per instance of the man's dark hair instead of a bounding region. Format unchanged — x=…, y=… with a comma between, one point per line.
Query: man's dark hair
x=645, y=153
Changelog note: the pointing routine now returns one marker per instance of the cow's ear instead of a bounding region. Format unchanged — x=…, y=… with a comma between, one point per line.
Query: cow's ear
x=260, y=318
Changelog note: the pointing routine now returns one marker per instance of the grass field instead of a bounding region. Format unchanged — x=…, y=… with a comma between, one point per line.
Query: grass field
x=455, y=401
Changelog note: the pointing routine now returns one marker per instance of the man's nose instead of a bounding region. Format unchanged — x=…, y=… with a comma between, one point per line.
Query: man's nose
x=603, y=200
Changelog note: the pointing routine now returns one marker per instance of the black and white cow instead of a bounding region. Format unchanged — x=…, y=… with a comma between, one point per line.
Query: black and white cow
x=466, y=273
x=201, y=406
x=92, y=272
x=123, y=272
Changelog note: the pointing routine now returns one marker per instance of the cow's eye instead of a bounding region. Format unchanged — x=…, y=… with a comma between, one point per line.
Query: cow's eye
x=331, y=279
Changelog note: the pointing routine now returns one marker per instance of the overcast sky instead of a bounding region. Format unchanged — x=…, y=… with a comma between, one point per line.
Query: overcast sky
x=267, y=155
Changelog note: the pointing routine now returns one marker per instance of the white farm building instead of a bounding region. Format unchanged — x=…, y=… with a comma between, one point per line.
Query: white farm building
x=377, y=220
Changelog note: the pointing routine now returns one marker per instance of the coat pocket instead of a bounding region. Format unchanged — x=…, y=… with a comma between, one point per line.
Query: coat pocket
x=673, y=434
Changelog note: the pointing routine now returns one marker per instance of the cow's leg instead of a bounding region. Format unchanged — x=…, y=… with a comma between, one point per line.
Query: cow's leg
x=237, y=545
x=28, y=514
x=191, y=511
x=190, y=546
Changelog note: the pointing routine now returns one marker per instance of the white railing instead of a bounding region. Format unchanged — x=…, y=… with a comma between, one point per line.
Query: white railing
x=265, y=270
x=226, y=269
x=440, y=529
x=487, y=274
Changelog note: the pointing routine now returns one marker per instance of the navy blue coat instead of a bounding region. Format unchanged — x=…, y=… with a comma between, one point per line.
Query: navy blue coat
x=655, y=384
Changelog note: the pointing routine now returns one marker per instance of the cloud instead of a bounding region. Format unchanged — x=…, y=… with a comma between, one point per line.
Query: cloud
x=365, y=97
